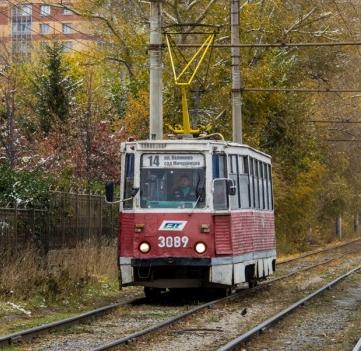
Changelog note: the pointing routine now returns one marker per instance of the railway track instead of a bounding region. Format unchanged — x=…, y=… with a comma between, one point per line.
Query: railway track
x=158, y=327
x=239, y=340
x=33, y=332
x=315, y=252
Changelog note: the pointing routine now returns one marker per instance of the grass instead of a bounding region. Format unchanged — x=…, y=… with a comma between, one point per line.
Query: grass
x=58, y=285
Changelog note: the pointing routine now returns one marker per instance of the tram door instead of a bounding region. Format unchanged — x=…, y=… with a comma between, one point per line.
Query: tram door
x=222, y=215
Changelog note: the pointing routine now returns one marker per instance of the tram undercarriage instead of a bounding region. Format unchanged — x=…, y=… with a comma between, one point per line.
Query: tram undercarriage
x=193, y=273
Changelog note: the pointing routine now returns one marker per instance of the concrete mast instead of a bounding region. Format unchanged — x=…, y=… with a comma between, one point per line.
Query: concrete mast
x=155, y=64
x=236, y=73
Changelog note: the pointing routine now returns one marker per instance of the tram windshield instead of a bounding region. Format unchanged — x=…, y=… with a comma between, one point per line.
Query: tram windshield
x=172, y=181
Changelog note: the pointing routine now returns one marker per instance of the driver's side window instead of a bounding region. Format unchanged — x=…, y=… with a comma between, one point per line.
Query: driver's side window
x=220, y=197
x=129, y=179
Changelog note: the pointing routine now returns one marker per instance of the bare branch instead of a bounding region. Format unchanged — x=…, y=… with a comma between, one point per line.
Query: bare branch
x=205, y=11
x=125, y=63
x=172, y=18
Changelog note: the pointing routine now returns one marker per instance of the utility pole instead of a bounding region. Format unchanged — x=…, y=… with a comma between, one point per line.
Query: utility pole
x=236, y=73
x=155, y=64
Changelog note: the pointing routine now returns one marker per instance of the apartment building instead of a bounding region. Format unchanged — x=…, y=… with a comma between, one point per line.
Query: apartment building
x=27, y=25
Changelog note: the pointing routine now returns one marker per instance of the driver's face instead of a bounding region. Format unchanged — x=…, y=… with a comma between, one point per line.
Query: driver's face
x=185, y=182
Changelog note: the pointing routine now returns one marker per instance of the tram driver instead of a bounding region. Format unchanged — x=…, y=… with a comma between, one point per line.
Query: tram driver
x=185, y=190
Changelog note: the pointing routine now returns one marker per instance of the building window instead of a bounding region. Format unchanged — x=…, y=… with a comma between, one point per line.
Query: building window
x=67, y=12
x=67, y=29
x=22, y=10
x=21, y=28
x=45, y=10
x=44, y=28
x=67, y=46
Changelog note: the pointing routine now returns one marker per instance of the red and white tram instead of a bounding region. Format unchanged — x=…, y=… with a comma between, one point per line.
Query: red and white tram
x=195, y=213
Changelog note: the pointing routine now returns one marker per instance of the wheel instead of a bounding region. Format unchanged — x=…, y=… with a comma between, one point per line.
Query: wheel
x=227, y=292
x=152, y=294
x=252, y=283
x=222, y=292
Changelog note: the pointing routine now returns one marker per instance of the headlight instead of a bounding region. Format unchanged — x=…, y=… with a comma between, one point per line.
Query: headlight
x=200, y=248
x=144, y=247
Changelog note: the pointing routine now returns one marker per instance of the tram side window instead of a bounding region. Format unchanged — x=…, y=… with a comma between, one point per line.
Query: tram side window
x=264, y=185
x=269, y=182
x=251, y=182
x=256, y=184
x=233, y=174
x=260, y=184
x=265, y=189
x=244, y=182
x=129, y=179
x=219, y=163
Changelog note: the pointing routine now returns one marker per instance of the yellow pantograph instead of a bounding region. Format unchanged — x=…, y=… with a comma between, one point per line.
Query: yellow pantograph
x=184, y=83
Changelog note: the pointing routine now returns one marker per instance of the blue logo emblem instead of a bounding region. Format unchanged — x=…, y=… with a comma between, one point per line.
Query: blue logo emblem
x=173, y=225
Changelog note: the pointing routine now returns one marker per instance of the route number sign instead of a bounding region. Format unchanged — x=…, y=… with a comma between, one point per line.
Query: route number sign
x=173, y=161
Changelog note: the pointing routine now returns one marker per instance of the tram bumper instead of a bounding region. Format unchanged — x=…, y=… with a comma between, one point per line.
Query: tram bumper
x=175, y=272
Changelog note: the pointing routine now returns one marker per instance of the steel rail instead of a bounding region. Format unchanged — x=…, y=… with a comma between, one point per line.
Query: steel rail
x=136, y=335
x=277, y=317
x=316, y=252
x=357, y=346
x=31, y=332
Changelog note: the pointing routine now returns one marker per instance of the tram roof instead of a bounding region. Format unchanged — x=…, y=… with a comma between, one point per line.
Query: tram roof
x=186, y=145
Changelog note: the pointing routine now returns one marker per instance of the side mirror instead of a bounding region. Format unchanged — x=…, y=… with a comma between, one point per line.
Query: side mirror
x=109, y=191
x=231, y=187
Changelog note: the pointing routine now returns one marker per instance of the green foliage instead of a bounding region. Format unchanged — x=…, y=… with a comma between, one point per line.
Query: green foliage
x=24, y=189
x=54, y=88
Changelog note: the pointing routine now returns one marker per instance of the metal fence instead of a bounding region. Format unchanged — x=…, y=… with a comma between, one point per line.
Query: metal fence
x=69, y=219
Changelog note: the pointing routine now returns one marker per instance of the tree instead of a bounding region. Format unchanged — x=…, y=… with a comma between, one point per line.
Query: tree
x=54, y=88
x=8, y=91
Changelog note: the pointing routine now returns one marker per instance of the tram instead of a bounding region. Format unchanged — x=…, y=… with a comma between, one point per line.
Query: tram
x=195, y=213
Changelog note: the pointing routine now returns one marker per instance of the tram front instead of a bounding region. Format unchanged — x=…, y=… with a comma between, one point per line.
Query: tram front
x=165, y=238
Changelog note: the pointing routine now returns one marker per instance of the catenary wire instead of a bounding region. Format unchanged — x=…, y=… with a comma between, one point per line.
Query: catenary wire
x=301, y=90
x=277, y=45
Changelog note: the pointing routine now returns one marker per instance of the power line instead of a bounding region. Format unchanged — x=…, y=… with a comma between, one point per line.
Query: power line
x=344, y=140
x=301, y=90
x=277, y=45
x=334, y=121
